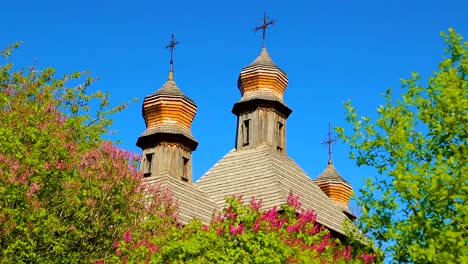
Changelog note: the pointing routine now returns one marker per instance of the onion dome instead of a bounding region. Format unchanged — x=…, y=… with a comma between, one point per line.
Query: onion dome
x=169, y=112
x=335, y=187
x=262, y=82
x=262, y=78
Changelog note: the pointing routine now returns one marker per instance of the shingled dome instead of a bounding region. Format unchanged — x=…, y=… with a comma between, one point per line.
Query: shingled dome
x=262, y=78
x=335, y=187
x=170, y=113
x=168, y=107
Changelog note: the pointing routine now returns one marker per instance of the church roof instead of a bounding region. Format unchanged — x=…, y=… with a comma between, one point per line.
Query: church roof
x=266, y=174
x=192, y=201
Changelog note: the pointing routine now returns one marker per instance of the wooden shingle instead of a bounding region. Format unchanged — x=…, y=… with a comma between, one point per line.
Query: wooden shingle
x=268, y=175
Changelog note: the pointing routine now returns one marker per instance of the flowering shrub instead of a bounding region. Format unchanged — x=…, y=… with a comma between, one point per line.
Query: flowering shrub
x=245, y=234
x=65, y=194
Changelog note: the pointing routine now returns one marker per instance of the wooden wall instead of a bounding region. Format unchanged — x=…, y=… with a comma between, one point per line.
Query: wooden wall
x=263, y=127
x=168, y=157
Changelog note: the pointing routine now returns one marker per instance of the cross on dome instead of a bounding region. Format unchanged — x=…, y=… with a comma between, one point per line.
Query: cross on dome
x=264, y=26
x=171, y=47
x=329, y=141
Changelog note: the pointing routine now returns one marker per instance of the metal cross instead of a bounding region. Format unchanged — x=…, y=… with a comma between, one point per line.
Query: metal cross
x=329, y=141
x=171, y=46
x=264, y=26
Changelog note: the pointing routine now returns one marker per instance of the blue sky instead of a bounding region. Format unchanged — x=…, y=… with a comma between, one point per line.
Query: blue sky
x=332, y=51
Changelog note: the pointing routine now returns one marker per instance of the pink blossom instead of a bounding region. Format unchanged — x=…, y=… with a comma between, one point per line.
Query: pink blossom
x=116, y=243
x=127, y=236
x=308, y=216
x=368, y=258
x=256, y=204
x=256, y=226
x=60, y=164
x=33, y=189
x=230, y=214
x=152, y=248
x=294, y=201
x=236, y=230
x=118, y=253
x=347, y=253
x=218, y=218
x=205, y=227
x=219, y=231
x=270, y=215
x=292, y=228
x=314, y=230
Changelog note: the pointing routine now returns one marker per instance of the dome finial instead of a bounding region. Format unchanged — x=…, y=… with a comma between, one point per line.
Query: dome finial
x=264, y=26
x=329, y=141
x=171, y=47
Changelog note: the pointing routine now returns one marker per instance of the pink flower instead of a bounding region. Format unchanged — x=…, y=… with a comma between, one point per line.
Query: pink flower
x=116, y=243
x=270, y=215
x=205, y=228
x=230, y=214
x=33, y=188
x=308, y=216
x=152, y=248
x=219, y=231
x=294, y=201
x=127, y=237
x=218, y=218
x=368, y=258
x=292, y=228
x=256, y=226
x=347, y=253
x=256, y=204
x=236, y=230
x=118, y=253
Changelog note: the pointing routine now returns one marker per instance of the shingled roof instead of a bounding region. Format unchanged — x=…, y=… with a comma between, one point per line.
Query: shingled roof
x=331, y=174
x=192, y=201
x=170, y=88
x=268, y=175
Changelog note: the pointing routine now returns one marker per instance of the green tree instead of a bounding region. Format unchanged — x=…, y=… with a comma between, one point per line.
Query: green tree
x=417, y=210
x=65, y=193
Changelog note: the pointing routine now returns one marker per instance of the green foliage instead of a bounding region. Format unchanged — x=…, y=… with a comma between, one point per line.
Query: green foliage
x=244, y=234
x=417, y=211
x=65, y=194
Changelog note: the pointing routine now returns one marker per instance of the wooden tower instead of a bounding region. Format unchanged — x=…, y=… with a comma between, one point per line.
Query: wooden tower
x=261, y=112
x=167, y=142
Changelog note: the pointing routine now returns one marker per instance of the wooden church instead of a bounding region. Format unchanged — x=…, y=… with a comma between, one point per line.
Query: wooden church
x=258, y=165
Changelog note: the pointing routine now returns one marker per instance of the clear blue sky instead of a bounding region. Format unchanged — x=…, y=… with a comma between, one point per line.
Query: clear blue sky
x=331, y=50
